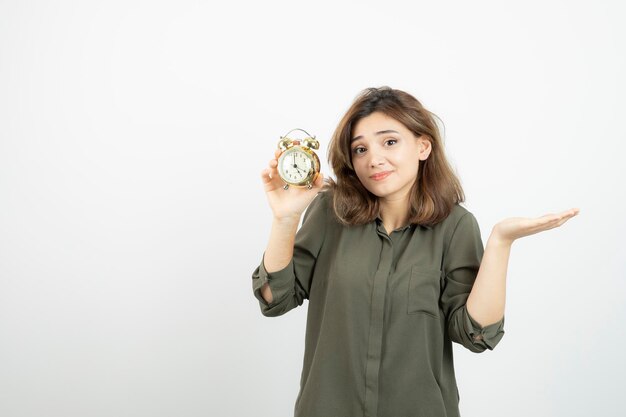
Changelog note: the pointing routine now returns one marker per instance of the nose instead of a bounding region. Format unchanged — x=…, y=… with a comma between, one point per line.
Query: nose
x=376, y=159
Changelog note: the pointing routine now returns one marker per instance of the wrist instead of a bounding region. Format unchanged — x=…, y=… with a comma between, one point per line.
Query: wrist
x=496, y=240
x=287, y=220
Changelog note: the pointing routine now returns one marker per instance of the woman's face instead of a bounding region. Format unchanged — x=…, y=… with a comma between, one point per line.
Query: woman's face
x=382, y=145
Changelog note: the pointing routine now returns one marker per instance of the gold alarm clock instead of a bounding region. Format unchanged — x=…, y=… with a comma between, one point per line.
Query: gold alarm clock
x=298, y=165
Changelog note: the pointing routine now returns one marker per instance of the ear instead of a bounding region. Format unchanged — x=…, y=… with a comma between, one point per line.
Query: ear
x=425, y=148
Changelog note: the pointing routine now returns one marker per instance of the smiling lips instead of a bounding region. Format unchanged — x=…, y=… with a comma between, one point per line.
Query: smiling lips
x=380, y=175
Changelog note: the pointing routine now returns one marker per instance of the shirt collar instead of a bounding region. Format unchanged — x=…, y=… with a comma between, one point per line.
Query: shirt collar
x=379, y=220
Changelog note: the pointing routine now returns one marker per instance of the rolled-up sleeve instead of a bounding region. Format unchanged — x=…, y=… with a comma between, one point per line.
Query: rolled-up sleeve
x=291, y=285
x=461, y=264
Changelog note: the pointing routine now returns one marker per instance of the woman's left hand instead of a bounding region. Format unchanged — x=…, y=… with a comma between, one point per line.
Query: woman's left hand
x=515, y=227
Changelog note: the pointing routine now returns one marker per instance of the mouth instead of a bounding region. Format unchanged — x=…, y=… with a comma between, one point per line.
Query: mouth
x=380, y=176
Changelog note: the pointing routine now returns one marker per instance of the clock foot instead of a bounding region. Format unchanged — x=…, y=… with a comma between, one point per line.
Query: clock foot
x=286, y=186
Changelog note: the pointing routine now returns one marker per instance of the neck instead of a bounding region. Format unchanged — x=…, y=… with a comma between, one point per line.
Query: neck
x=394, y=212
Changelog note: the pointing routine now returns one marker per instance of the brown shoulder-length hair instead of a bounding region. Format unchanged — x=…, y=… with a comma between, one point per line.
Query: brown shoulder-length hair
x=436, y=189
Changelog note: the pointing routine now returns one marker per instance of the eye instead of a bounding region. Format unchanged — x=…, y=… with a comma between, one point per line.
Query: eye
x=391, y=140
x=356, y=150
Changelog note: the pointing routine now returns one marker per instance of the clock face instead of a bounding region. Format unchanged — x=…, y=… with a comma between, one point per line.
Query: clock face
x=295, y=165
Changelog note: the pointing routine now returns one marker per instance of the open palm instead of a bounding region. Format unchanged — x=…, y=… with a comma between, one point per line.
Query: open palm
x=515, y=227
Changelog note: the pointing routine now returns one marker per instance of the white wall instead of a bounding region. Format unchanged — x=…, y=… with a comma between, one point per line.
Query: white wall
x=132, y=214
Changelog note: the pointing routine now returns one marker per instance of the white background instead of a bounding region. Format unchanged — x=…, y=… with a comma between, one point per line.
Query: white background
x=132, y=213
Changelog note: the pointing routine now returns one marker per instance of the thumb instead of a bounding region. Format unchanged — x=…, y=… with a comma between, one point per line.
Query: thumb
x=319, y=181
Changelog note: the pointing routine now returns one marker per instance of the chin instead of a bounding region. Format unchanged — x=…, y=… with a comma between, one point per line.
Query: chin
x=381, y=192
x=387, y=190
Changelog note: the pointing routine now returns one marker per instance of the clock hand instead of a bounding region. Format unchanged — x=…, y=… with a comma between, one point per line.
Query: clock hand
x=296, y=165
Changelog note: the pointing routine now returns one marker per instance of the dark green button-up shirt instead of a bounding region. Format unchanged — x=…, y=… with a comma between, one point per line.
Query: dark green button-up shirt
x=383, y=312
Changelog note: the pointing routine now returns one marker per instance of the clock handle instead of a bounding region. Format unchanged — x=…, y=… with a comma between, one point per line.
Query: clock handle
x=297, y=128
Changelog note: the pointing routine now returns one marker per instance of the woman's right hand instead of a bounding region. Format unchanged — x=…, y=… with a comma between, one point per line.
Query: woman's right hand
x=290, y=203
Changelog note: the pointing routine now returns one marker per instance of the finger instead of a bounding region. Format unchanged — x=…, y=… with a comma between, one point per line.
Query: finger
x=265, y=176
x=319, y=181
x=554, y=217
x=269, y=174
x=566, y=213
x=563, y=220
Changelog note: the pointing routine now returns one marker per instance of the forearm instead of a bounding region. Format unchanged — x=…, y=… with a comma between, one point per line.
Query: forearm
x=486, y=301
x=279, y=249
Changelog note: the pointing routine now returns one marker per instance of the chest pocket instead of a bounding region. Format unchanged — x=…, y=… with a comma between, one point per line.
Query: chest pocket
x=424, y=291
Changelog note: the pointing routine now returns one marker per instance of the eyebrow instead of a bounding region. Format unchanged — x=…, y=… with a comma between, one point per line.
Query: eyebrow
x=382, y=132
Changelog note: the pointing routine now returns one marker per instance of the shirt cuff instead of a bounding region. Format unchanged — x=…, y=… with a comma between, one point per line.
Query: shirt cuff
x=280, y=282
x=486, y=337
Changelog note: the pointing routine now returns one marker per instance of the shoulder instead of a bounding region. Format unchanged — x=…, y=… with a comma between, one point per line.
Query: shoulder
x=458, y=215
x=322, y=207
x=461, y=230
x=319, y=206
x=458, y=212
x=324, y=198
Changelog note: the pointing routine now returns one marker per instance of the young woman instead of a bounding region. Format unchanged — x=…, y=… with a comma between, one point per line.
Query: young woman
x=393, y=266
